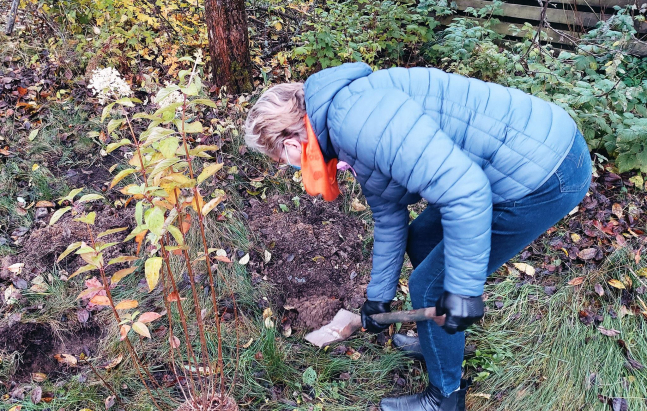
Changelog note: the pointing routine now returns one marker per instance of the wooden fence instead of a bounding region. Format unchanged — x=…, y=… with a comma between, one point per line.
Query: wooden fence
x=571, y=17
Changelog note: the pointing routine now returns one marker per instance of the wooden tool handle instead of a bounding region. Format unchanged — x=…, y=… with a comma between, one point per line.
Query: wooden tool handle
x=421, y=314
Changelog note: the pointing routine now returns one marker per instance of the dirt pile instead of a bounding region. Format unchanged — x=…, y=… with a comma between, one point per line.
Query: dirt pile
x=319, y=258
x=44, y=245
x=37, y=345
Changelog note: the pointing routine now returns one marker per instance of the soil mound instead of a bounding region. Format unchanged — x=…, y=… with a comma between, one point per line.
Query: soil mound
x=37, y=344
x=44, y=245
x=320, y=261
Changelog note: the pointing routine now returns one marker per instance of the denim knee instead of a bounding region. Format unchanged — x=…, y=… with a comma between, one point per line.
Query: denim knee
x=417, y=288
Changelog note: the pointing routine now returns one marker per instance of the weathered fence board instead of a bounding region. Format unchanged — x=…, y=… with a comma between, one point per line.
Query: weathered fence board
x=577, y=15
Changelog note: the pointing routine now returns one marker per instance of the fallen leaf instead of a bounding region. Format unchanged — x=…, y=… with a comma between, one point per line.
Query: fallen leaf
x=619, y=404
x=100, y=300
x=599, y=290
x=115, y=362
x=44, y=204
x=244, y=260
x=126, y=305
x=357, y=205
x=16, y=268
x=38, y=376
x=617, y=284
x=587, y=253
x=525, y=268
x=248, y=343
x=608, y=332
x=83, y=316
x=617, y=210
x=575, y=237
x=174, y=341
x=576, y=281
x=110, y=401
x=148, y=317
x=267, y=256
x=66, y=359
x=36, y=395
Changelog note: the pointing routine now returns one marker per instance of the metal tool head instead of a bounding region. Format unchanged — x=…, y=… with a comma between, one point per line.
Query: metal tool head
x=340, y=328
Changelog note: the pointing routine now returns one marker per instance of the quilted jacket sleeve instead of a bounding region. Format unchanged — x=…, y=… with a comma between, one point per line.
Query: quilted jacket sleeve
x=389, y=243
x=387, y=129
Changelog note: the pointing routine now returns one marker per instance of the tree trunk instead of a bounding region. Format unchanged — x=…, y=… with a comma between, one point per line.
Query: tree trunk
x=12, y=17
x=228, y=44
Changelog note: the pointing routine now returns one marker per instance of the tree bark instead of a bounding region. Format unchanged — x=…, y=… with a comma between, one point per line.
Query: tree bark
x=11, y=21
x=231, y=64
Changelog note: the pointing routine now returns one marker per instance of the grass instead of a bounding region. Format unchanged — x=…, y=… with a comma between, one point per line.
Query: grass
x=549, y=355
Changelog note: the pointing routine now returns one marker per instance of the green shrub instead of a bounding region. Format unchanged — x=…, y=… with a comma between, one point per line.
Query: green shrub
x=381, y=33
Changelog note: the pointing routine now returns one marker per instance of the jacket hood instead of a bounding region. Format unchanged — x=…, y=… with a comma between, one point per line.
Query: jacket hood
x=320, y=89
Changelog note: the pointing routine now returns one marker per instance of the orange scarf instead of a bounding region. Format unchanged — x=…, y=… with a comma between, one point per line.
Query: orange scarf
x=318, y=176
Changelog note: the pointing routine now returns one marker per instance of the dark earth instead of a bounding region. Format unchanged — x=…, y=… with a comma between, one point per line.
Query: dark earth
x=38, y=343
x=320, y=262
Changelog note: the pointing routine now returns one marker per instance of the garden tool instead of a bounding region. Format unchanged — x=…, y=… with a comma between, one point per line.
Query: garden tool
x=346, y=323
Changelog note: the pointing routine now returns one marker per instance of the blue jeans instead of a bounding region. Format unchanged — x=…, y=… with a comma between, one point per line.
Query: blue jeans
x=515, y=224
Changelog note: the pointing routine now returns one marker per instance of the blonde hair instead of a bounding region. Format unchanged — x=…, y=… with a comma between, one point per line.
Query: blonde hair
x=277, y=115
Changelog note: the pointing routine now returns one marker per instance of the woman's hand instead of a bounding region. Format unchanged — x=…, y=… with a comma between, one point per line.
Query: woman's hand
x=461, y=310
x=374, y=307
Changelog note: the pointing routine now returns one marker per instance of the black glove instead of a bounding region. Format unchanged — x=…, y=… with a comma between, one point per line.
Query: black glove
x=462, y=311
x=374, y=307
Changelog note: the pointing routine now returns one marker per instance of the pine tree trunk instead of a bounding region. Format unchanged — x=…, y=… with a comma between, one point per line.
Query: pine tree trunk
x=228, y=44
x=11, y=20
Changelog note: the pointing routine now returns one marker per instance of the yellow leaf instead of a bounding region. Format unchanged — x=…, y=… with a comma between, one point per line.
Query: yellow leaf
x=616, y=284
x=575, y=237
x=642, y=272
x=141, y=329
x=175, y=180
x=197, y=203
x=152, y=271
x=278, y=26
x=119, y=275
x=212, y=204
x=85, y=268
x=35, y=167
x=16, y=408
x=123, y=259
x=525, y=268
x=58, y=214
x=121, y=175
x=111, y=231
x=126, y=305
x=68, y=250
x=208, y=171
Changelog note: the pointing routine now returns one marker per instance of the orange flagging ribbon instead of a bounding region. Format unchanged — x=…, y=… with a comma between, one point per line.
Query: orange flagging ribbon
x=318, y=176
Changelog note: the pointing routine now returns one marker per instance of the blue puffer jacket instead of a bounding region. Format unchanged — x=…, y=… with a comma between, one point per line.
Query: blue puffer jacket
x=460, y=143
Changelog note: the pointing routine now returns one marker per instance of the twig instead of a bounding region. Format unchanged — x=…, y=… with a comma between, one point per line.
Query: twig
x=105, y=383
x=11, y=20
